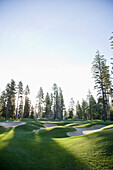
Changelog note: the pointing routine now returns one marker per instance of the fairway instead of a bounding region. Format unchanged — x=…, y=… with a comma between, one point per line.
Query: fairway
x=51, y=148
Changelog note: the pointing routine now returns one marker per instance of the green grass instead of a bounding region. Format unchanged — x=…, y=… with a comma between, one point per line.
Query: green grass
x=108, y=127
x=94, y=122
x=52, y=149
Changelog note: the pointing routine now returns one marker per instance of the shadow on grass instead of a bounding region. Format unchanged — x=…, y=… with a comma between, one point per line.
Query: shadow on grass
x=4, y=129
x=46, y=150
x=28, y=150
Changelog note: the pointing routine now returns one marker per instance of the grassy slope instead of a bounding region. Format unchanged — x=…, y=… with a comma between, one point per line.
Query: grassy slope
x=21, y=148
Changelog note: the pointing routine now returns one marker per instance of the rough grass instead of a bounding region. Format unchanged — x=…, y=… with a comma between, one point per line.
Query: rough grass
x=21, y=148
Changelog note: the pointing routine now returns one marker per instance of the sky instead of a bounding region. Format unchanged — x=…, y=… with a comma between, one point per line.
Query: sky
x=54, y=41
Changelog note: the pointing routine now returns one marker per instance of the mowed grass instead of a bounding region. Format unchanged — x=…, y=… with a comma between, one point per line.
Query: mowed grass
x=52, y=149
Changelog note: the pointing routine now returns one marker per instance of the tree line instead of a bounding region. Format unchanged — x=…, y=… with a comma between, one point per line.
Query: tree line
x=12, y=94
x=15, y=103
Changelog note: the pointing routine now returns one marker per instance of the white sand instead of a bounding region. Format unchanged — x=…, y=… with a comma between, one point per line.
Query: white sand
x=50, y=125
x=38, y=129
x=12, y=124
x=83, y=131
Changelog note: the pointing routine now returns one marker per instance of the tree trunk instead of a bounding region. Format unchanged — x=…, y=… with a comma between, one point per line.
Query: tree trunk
x=7, y=110
x=54, y=114
x=90, y=111
x=17, y=107
x=104, y=106
x=60, y=113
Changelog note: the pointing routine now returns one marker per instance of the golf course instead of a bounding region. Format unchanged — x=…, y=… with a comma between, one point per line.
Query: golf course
x=45, y=144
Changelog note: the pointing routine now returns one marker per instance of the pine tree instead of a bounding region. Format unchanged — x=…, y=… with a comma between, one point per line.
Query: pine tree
x=99, y=108
x=32, y=113
x=13, y=98
x=3, y=105
x=40, y=100
x=47, y=109
x=78, y=110
x=10, y=99
x=102, y=80
x=51, y=100
x=61, y=104
x=19, y=95
x=21, y=109
x=92, y=108
x=65, y=114
x=55, y=101
x=89, y=104
x=84, y=109
x=71, y=108
x=111, y=38
x=27, y=103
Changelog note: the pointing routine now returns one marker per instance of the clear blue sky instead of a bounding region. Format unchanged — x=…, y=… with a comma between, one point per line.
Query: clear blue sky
x=39, y=39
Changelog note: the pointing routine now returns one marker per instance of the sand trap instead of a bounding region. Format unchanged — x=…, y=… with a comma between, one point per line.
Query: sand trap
x=83, y=131
x=50, y=125
x=38, y=129
x=47, y=125
x=12, y=124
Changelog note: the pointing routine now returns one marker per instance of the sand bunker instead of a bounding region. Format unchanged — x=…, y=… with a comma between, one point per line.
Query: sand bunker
x=47, y=125
x=12, y=124
x=38, y=129
x=83, y=131
x=50, y=125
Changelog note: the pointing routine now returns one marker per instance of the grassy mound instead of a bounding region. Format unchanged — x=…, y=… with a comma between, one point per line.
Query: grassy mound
x=55, y=132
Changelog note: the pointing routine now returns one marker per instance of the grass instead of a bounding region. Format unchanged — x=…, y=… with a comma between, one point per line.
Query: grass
x=52, y=149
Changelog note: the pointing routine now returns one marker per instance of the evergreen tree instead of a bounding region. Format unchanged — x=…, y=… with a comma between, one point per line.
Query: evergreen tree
x=10, y=99
x=111, y=38
x=26, y=108
x=21, y=110
x=51, y=100
x=111, y=89
x=84, y=110
x=99, y=108
x=27, y=103
x=13, y=97
x=40, y=100
x=32, y=113
x=71, y=108
x=78, y=110
x=89, y=104
x=36, y=112
x=47, y=109
x=55, y=101
x=92, y=108
x=19, y=95
x=65, y=114
x=102, y=79
x=3, y=104
x=61, y=104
